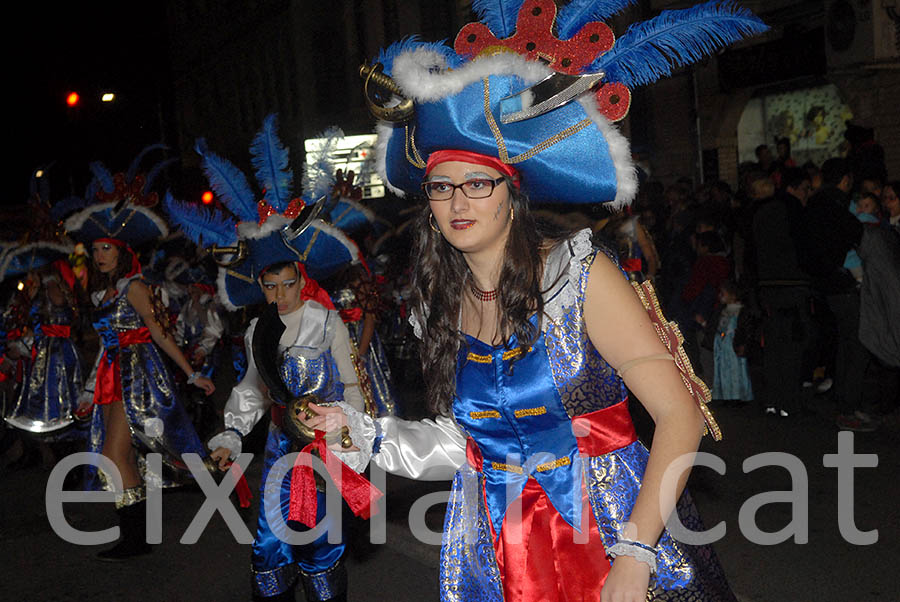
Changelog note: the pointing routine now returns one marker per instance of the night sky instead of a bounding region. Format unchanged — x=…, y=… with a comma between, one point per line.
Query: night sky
x=89, y=47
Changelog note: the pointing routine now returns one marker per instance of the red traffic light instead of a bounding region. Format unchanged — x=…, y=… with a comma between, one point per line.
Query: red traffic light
x=207, y=198
x=72, y=99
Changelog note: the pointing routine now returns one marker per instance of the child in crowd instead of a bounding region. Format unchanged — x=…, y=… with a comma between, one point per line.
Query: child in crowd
x=731, y=380
x=866, y=210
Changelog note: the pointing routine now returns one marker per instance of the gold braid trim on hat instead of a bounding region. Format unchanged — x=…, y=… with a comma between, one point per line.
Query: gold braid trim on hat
x=540, y=147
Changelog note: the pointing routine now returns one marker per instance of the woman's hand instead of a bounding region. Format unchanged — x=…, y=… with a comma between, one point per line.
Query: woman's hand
x=628, y=581
x=222, y=457
x=330, y=419
x=84, y=409
x=205, y=384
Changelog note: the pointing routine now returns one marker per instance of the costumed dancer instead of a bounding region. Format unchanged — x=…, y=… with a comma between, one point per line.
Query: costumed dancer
x=358, y=300
x=52, y=381
x=529, y=336
x=135, y=410
x=198, y=329
x=299, y=346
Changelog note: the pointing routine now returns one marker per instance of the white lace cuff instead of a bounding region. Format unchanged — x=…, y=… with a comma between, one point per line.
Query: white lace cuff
x=362, y=431
x=227, y=439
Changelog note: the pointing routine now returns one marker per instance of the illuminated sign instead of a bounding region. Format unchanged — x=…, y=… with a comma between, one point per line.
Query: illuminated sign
x=356, y=153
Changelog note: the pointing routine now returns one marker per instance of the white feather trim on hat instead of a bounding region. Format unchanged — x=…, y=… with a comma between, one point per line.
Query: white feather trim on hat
x=221, y=292
x=619, y=152
x=13, y=252
x=253, y=230
x=77, y=220
x=384, y=130
x=416, y=75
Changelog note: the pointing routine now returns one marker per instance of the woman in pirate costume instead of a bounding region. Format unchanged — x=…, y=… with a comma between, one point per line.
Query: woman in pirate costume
x=135, y=410
x=531, y=336
x=273, y=253
x=45, y=405
x=52, y=384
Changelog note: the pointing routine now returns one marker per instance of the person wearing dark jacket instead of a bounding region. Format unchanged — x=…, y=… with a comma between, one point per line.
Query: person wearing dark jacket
x=827, y=232
x=783, y=288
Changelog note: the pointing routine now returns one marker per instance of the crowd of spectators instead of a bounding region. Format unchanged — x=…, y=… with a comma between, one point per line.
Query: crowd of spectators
x=798, y=269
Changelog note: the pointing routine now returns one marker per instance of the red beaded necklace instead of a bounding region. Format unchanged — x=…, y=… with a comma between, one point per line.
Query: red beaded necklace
x=482, y=295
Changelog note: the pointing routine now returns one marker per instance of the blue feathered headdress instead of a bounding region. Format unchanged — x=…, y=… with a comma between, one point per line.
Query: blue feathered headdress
x=265, y=227
x=119, y=205
x=566, y=152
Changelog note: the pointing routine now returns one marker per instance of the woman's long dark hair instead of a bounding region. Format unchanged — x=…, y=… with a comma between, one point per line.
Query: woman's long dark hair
x=439, y=274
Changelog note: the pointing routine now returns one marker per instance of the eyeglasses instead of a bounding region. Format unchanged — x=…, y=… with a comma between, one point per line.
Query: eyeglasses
x=476, y=188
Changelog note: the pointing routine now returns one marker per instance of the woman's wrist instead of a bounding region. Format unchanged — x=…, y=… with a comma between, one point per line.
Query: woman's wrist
x=193, y=376
x=635, y=549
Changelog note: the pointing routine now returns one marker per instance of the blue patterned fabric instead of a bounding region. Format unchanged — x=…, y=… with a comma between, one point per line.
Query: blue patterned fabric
x=52, y=382
x=157, y=419
x=375, y=362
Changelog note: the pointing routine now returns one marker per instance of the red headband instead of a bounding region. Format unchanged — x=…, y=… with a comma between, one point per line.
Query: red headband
x=135, y=264
x=442, y=156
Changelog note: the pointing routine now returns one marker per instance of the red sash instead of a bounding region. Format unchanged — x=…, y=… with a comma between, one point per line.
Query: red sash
x=108, y=387
x=356, y=490
x=56, y=330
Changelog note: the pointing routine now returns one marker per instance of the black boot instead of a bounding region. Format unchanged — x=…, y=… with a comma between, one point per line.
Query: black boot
x=132, y=511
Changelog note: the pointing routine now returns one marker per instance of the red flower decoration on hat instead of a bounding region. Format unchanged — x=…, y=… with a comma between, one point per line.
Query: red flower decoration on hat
x=132, y=192
x=265, y=210
x=534, y=39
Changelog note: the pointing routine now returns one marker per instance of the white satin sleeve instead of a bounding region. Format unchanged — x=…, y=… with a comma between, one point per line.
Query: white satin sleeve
x=340, y=351
x=427, y=450
x=247, y=402
x=213, y=330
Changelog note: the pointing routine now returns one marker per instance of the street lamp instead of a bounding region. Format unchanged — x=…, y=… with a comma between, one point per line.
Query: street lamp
x=108, y=97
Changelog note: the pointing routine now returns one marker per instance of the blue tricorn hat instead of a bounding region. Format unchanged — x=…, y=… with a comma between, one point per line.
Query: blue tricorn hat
x=120, y=205
x=537, y=90
x=255, y=234
x=132, y=224
x=21, y=259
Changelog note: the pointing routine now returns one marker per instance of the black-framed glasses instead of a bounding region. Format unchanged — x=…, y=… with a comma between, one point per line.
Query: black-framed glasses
x=476, y=188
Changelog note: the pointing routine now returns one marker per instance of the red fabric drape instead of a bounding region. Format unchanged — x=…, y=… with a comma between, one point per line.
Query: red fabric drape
x=539, y=555
x=356, y=490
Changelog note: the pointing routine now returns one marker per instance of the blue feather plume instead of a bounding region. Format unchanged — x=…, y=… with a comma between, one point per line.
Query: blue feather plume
x=387, y=55
x=654, y=48
x=319, y=169
x=205, y=228
x=103, y=175
x=136, y=164
x=578, y=13
x=230, y=184
x=157, y=169
x=499, y=15
x=271, y=161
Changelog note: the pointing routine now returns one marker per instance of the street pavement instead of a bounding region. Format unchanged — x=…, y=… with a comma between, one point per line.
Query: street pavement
x=38, y=565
